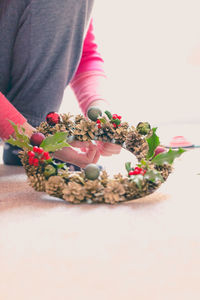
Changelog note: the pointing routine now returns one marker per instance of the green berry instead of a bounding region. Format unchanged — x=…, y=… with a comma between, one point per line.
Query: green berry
x=92, y=172
x=49, y=171
x=94, y=113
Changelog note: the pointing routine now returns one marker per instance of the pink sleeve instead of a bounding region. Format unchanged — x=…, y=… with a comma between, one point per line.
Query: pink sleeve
x=89, y=87
x=8, y=112
x=88, y=83
x=91, y=59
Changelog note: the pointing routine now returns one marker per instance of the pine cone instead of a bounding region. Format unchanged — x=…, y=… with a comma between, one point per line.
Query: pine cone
x=121, y=133
x=79, y=118
x=136, y=144
x=104, y=179
x=106, y=133
x=30, y=169
x=165, y=170
x=120, y=178
x=45, y=128
x=114, y=192
x=68, y=123
x=64, y=174
x=55, y=186
x=94, y=191
x=131, y=190
x=152, y=186
x=85, y=130
x=76, y=177
x=74, y=193
x=37, y=182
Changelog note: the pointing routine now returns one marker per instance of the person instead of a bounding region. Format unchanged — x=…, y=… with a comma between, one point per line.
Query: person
x=46, y=46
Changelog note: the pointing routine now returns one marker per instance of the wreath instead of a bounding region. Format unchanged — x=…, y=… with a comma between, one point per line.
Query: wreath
x=92, y=185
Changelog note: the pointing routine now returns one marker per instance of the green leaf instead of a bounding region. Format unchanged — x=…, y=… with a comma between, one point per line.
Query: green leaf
x=154, y=176
x=19, y=144
x=102, y=120
x=138, y=180
x=128, y=166
x=55, y=142
x=116, y=121
x=109, y=115
x=167, y=157
x=153, y=142
x=21, y=140
x=142, y=164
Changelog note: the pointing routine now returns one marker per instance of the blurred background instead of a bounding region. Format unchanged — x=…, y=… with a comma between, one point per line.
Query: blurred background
x=151, y=51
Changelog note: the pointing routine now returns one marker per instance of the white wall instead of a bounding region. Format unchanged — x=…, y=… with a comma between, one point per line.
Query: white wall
x=152, y=57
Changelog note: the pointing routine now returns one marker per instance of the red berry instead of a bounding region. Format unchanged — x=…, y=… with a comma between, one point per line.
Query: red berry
x=36, y=162
x=40, y=150
x=30, y=160
x=31, y=154
x=35, y=149
x=37, y=138
x=131, y=173
x=46, y=155
x=138, y=169
x=53, y=118
x=98, y=122
x=136, y=172
x=99, y=126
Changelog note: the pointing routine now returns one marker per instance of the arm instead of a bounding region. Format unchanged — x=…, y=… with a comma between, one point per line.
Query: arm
x=89, y=81
x=88, y=85
x=9, y=112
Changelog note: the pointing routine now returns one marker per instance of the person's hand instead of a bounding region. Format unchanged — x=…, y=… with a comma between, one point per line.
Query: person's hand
x=28, y=130
x=105, y=149
x=78, y=158
x=108, y=149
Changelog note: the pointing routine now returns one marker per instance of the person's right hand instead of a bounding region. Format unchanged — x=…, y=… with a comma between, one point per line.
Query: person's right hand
x=81, y=159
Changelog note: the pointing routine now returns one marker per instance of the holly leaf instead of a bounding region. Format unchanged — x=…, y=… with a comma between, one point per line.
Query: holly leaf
x=55, y=142
x=102, y=120
x=167, y=157
x=142, y=164
x=138, y=180
x=154, y=176
x=153, y=142
x=21, y=140
x=128, y=166
x=116, y=121
x=109, y=115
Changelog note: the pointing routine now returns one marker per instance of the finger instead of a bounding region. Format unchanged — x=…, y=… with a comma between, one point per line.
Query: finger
x=79, y=144
x=109, y=148
x=72, y=156
x=91, y=152
x=96, y=157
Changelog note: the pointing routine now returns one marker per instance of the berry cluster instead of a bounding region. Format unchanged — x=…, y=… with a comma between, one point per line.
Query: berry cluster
x=116, y=120
x=137, y=171
x=38, y=155
x=98, y=123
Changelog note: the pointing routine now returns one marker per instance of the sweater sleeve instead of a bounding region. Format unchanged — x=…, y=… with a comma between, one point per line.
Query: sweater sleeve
x=88, y=83
x=8, y=112
x=91, y=59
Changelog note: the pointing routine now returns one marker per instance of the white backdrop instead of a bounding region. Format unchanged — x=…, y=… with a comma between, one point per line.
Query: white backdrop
x=152, y=58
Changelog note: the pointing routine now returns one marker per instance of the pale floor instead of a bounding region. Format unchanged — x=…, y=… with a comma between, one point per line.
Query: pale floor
x=144, y=249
